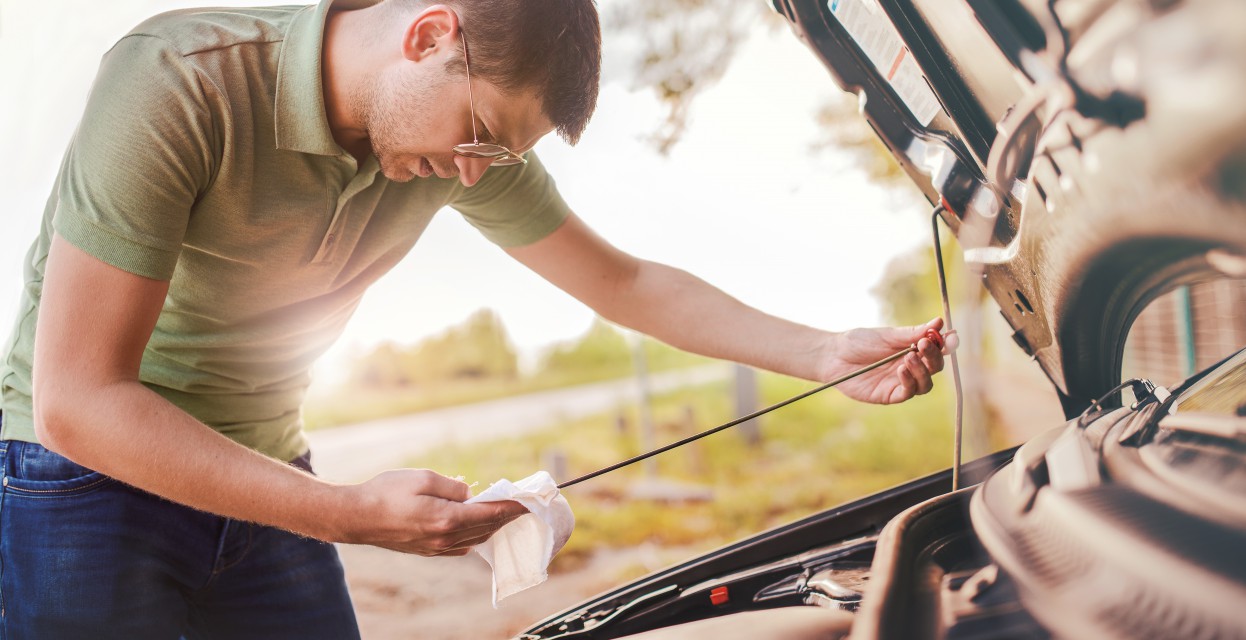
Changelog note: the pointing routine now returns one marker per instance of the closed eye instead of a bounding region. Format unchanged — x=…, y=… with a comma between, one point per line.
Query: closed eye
x=486, y=135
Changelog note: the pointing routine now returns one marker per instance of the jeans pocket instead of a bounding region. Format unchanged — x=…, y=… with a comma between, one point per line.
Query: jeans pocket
x=34, y=471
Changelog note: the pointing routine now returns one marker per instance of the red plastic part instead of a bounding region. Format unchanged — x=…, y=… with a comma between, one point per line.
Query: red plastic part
x=719, y=596
x=934, y=337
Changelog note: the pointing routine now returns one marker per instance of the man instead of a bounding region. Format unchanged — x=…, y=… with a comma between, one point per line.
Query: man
x=215, y=221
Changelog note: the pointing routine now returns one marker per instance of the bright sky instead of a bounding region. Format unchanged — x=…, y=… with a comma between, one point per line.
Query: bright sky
x=740, y=202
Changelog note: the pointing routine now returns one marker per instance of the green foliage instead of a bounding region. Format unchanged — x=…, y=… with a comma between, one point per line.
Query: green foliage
x=602, y=350
x=476, y=349
x=908, y=292
x=385, y=366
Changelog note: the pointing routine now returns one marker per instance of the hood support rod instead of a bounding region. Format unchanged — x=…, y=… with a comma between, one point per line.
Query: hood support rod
x=947, y=320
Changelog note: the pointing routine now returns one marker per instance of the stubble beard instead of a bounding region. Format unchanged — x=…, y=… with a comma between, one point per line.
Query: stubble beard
x=386, y=128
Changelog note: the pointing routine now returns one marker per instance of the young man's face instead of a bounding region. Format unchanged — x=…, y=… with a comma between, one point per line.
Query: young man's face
x=415, y=120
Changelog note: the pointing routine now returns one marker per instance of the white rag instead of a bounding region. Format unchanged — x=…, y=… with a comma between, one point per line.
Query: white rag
x=521, y=551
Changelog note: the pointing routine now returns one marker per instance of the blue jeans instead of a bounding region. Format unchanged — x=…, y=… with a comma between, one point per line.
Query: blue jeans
x=85, y=556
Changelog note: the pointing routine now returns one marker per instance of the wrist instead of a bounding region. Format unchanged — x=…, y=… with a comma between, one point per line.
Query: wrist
x=333, y=513
x=829, y=351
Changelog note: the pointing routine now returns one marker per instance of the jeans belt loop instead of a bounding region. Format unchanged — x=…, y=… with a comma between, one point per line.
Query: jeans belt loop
x=7, y=469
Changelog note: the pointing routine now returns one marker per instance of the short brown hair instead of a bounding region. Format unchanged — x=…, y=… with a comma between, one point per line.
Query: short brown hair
x=550, y=46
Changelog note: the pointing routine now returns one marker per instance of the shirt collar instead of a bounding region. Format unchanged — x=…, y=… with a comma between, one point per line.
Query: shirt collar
x=301, y=122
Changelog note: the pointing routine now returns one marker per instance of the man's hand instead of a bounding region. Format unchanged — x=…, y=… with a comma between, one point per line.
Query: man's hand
x=895, y=382
x=422, y=512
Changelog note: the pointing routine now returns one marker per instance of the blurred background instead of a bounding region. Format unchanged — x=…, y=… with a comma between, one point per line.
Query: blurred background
x=719, y=146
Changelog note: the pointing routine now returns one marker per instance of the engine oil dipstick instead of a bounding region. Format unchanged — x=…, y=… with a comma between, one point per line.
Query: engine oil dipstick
x=931, y=335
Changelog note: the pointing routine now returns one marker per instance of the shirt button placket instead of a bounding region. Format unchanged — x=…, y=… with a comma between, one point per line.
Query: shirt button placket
x=362, y=180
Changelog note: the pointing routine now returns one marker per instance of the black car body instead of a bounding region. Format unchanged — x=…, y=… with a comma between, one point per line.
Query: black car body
x=1089, y=156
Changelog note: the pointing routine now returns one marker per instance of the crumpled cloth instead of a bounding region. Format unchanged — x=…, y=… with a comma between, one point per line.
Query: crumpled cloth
x=520, y=552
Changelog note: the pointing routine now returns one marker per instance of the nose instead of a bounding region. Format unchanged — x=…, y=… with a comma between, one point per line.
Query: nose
x=471, y=169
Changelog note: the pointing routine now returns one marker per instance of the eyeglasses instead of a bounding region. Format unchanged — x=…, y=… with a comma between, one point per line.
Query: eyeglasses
x=501, y=156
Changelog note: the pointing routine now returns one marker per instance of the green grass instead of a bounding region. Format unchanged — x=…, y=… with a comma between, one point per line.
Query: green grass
x=815, y=454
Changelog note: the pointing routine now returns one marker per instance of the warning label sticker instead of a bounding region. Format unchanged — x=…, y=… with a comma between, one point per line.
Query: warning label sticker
x=869, y=27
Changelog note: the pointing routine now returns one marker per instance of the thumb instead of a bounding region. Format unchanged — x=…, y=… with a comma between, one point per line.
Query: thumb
x=905, y=336
x=493, y=514
x=950, y=339
x=439, y=486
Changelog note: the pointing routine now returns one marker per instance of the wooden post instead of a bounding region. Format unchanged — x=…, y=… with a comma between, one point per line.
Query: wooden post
x=746, y=403
x=556, y=464
x=648, y=440
x=695, y=454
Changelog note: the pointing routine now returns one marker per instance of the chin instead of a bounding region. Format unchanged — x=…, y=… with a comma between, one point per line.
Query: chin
x=395, y=174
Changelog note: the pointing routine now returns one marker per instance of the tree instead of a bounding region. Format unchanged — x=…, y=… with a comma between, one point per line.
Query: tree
x=382, y=367
x=479, y=347
x=685, y=46
x=601, y=351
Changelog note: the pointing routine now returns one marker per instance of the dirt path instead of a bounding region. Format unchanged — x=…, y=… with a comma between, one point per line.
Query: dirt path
x=401, y=597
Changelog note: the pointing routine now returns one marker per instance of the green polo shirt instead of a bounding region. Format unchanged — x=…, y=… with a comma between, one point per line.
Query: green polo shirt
x=205, y=158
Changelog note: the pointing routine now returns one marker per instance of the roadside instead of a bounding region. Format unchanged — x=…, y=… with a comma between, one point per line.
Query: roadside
x=356, y=452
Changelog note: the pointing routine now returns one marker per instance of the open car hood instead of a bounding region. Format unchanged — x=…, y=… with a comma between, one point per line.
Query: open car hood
x=1087, y=163
x=1075, y=207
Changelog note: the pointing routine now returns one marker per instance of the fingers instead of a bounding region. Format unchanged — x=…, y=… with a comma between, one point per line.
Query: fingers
x=460, y=528
x=465, y=546
x=930, y=355
x=423, y=512
x=438, y=486
x=485, y=514
x=916, y=369
x=950, y=339
x=918, y=374
x=914, y=379
x=474, y=523
x=908, y=384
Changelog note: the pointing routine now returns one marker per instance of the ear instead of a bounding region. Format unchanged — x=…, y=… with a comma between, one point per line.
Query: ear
x=432, y=31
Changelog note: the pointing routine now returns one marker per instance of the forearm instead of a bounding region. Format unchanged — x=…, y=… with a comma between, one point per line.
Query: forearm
x=686, y=312
x=94, y=321
x=130, y=433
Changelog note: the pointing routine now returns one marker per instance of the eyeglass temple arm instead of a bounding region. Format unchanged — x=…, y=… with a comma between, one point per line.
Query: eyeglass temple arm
x=471, y=102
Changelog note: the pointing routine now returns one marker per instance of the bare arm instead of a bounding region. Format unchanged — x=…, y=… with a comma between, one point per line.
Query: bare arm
x=94, y=322
x=686, y=312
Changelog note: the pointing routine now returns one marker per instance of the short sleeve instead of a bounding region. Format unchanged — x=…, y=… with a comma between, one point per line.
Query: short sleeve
x=139, y=159
x=513, y=205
